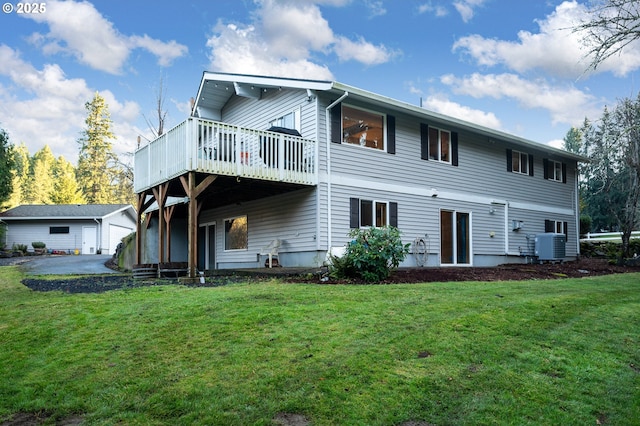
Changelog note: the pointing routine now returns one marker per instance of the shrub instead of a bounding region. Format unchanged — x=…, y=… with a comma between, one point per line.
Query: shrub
x=38, y=245
x=22, y=248
x=585, y=224
x=371, y=255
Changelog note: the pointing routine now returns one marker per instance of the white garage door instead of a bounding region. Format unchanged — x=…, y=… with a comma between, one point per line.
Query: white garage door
x=116, y=234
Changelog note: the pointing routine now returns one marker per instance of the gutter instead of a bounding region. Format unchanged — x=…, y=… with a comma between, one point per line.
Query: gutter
x=328, y=134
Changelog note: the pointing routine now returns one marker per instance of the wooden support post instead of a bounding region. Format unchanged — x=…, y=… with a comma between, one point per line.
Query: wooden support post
x=193, y=191
x=161, y=197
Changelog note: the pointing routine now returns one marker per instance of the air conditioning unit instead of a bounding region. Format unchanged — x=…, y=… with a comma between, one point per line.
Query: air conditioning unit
x=550, y=246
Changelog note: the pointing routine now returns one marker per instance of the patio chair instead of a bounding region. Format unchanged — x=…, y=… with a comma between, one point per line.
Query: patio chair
x=271, y=250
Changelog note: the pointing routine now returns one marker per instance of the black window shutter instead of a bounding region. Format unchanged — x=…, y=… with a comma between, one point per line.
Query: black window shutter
x=424, y=141
x=391, y=134
x=393, y=214
x=509, y=160
x=530, y=165
x=566, y=231
x=454, y=148
x=545, y=167
x=549, y=226
x=336, y=123
x=564, y=172
x=354, y=213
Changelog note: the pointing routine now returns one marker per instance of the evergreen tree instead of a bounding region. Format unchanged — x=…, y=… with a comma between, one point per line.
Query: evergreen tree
x=41, y=180
x=66, y=189
x=6, y=168
x=20, y=175
x=96, y=160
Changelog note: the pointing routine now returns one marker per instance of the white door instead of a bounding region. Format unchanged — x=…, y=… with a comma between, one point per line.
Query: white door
x=89, y=239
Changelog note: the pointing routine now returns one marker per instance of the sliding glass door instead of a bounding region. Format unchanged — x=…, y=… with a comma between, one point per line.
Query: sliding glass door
x=455, y=238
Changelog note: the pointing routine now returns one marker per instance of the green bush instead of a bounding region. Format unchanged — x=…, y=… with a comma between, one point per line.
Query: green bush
x=22, y=248
x=38, y=245
x=585, y=224
x=371, y=255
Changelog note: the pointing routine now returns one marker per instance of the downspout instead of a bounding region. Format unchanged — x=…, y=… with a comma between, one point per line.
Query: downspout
x=328, y=131
x=99, y=245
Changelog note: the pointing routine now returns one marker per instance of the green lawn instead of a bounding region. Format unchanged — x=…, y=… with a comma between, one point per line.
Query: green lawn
x=558, y=352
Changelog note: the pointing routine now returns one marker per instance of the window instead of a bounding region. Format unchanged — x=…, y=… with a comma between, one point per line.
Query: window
x=439, y=145
x=288, y=121
x=364, y=128
x=365, y=213
x=520, y=162
x=58, y=230
x=554, y=171
x=557, y=226
x=236, y=236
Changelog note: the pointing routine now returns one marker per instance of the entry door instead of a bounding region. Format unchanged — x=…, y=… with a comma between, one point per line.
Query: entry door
x=455, y=238
x=89, y=239
x=207, y=247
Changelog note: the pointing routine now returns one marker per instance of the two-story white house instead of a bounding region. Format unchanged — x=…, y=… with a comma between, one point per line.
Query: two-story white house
x=220, y=186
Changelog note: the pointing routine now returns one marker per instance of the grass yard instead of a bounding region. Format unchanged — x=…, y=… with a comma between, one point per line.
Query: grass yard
x=558, y=352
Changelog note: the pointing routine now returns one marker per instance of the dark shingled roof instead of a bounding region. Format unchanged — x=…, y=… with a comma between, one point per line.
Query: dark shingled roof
x=62, y=211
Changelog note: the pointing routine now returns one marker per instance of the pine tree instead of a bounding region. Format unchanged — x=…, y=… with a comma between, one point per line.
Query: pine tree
x=20, y=175
x=96, y=160
x=66, y=189
x=6, y=167
x=41, y=180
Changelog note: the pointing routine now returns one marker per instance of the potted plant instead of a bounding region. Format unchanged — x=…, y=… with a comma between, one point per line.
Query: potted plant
x=38, y=247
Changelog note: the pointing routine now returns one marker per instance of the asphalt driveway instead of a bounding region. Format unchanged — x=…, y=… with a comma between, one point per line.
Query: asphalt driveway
x=67, y=265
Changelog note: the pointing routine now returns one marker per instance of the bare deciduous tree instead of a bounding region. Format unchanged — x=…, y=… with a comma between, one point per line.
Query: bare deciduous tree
x=612, y=25
x=161, y=114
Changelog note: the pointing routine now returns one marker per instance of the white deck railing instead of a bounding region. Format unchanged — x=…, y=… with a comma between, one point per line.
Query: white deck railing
x=218, y=148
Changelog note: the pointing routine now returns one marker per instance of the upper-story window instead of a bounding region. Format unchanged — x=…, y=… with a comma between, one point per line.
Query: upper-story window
x=288, y=121
x=520, y=162
x=555, y=170
x=439, y=145
x=363, y=127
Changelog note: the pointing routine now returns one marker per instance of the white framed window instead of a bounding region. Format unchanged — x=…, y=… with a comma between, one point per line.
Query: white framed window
x=236, y=235
x=439, y=145
x=374, y=213
x=288, y=121
x=520, y=162
x=363, y=127
x=554, y=170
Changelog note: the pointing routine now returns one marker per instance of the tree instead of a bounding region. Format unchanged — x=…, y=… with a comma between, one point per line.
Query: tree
x=6, y=167
x=20, y=175
x=66, y=189
x=612, y=178
x=96, y=160
x=160, y=112
x=612, y=25
x=41, y=177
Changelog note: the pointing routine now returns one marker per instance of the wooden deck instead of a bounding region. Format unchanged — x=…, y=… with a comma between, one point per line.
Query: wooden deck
x=222, y=149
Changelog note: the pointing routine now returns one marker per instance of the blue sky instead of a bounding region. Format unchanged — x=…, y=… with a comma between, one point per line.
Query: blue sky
x=511, y=65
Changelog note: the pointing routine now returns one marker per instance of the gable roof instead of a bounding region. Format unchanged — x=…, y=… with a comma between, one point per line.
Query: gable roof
x=65, y=211
x=217, y=88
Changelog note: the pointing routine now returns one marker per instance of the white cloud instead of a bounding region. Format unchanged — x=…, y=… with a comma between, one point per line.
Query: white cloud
x=566, y=104
x=376, y=8
x=78, y=29
x=50, y=110
x=282, y=39
x=442, y=105
x=362, y=51
x=466, y=8
x=437, y=10
x=555, y=49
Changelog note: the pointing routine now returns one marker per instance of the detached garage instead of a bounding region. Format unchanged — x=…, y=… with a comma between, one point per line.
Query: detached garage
x=87, y=228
